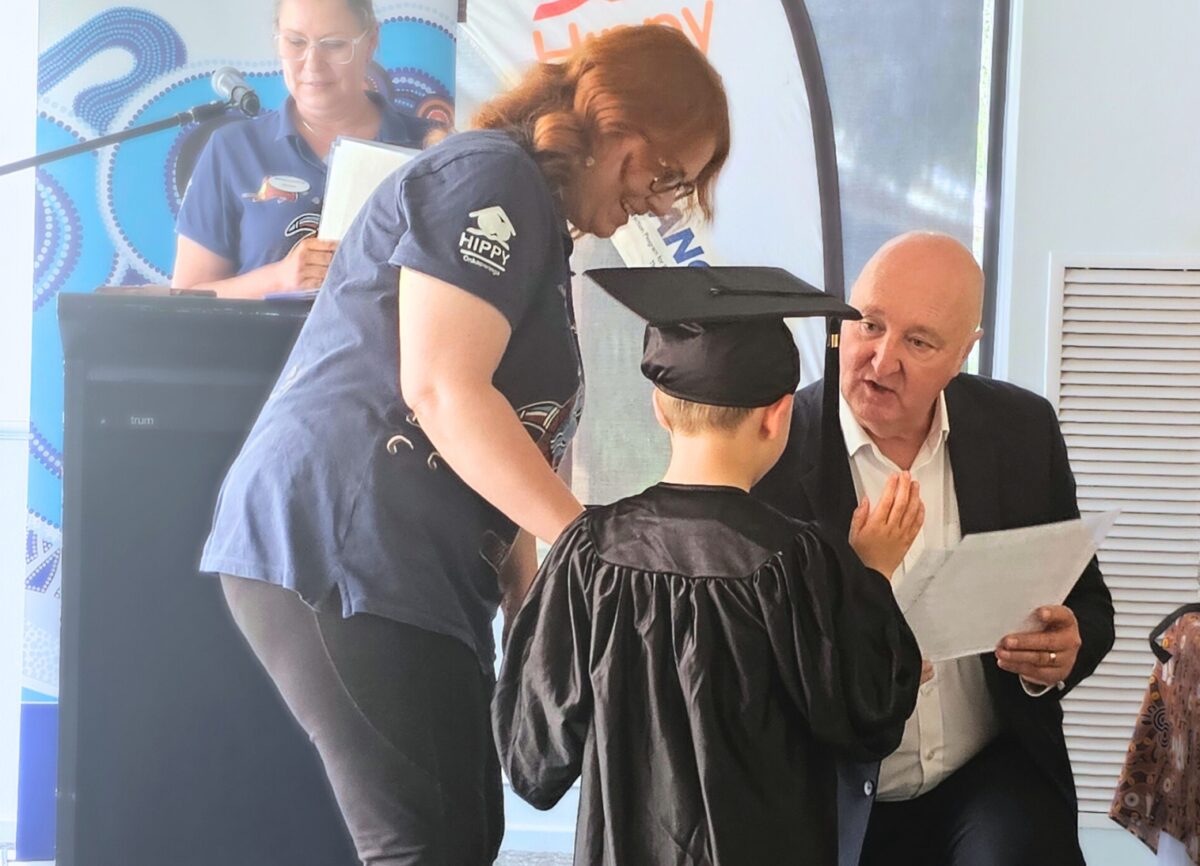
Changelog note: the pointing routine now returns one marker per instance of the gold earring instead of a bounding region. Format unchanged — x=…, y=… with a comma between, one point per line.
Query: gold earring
x=589, y=161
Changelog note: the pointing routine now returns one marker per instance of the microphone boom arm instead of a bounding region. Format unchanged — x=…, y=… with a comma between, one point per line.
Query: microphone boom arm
x=199, y=114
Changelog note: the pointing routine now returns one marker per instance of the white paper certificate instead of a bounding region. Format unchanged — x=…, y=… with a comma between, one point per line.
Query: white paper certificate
x=356, y=168
x=961, y=601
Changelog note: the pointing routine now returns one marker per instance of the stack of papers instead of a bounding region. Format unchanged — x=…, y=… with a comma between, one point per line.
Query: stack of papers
x=961, y=601
x=356, y=168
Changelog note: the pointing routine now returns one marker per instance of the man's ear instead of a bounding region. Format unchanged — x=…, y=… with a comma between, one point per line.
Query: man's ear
x=968, y=346
x=659, y=415
x=777, y=418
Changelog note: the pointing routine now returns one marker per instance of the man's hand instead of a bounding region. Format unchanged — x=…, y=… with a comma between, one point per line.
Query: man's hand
x=1045, y=657
x=882, y=536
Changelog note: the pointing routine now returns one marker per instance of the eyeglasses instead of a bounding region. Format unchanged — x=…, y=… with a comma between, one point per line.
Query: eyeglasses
x=294, y=47
x=671, y=180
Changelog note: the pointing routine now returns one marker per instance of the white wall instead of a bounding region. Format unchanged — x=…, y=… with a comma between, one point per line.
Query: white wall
x=1102, y=156
x=18, y=72
x=1102, y=153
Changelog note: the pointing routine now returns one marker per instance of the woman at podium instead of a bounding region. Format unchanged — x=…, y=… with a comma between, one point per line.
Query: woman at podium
x=247, y=225
x=389, y=492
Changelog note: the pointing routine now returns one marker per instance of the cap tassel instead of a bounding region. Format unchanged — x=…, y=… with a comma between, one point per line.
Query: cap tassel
x=831, y=426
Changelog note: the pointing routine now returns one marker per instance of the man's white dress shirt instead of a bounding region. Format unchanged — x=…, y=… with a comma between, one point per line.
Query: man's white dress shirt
x=954, y=718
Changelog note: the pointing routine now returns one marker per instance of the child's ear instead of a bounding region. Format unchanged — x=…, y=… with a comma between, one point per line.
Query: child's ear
x=661, y=418
x=777, y=418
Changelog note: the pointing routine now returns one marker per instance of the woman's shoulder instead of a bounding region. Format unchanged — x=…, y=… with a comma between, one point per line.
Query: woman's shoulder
x=483, y=150
x=236, y=132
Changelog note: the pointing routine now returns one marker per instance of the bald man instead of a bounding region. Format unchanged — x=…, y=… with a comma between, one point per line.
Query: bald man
x=982, y=775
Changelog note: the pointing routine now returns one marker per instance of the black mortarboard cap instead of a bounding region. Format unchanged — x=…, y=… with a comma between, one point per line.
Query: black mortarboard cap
x=716, y=335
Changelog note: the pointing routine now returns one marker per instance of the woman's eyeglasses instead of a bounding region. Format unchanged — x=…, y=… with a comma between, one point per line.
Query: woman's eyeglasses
x=671, y=180
x=336, y=50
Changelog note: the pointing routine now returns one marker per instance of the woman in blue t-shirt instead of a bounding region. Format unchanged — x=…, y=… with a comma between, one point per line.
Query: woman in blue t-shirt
x=248, y=221
x=386, y=500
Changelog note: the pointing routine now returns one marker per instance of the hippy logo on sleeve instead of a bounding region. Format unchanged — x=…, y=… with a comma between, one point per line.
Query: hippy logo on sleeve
x=485, y=244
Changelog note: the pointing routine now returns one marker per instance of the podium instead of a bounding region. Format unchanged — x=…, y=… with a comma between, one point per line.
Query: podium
x=174, y=747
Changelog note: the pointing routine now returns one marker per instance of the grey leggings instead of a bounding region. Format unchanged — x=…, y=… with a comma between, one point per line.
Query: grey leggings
x=400, y=718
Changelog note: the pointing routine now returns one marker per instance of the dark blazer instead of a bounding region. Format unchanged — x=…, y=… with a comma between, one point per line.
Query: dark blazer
x=1010, y=470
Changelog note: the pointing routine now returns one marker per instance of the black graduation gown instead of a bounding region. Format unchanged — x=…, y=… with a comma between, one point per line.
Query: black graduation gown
x=699, y=658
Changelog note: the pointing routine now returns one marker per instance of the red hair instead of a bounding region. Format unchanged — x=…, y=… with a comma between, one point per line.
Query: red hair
x=647, y=80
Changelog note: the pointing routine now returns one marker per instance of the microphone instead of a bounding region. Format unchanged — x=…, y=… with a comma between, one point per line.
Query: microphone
x=229, y=84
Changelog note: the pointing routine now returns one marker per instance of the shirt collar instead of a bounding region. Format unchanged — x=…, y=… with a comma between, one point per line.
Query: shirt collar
x=857, y=438
x=284, y=126
x=939, y=426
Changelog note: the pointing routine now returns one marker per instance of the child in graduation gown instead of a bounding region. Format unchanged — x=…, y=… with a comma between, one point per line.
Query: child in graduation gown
x=698, y=657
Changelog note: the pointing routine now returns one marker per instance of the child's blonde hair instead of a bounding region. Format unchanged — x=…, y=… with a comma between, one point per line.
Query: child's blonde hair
x=689, y=418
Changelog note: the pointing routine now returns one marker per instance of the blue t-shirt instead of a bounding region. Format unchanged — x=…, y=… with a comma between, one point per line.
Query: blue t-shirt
x=337, y=487
x=257, y=188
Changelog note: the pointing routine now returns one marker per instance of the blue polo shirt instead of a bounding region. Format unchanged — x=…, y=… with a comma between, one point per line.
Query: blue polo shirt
x=257, y=188
x=338, y=493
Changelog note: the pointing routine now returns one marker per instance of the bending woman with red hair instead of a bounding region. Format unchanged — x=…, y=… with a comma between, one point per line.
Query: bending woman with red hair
x=389, y=492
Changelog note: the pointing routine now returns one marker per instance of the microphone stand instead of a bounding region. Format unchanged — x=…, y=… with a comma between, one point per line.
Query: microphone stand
x=199, y=114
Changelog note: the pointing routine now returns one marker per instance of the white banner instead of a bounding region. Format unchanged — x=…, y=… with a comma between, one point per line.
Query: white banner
x=776, y=202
